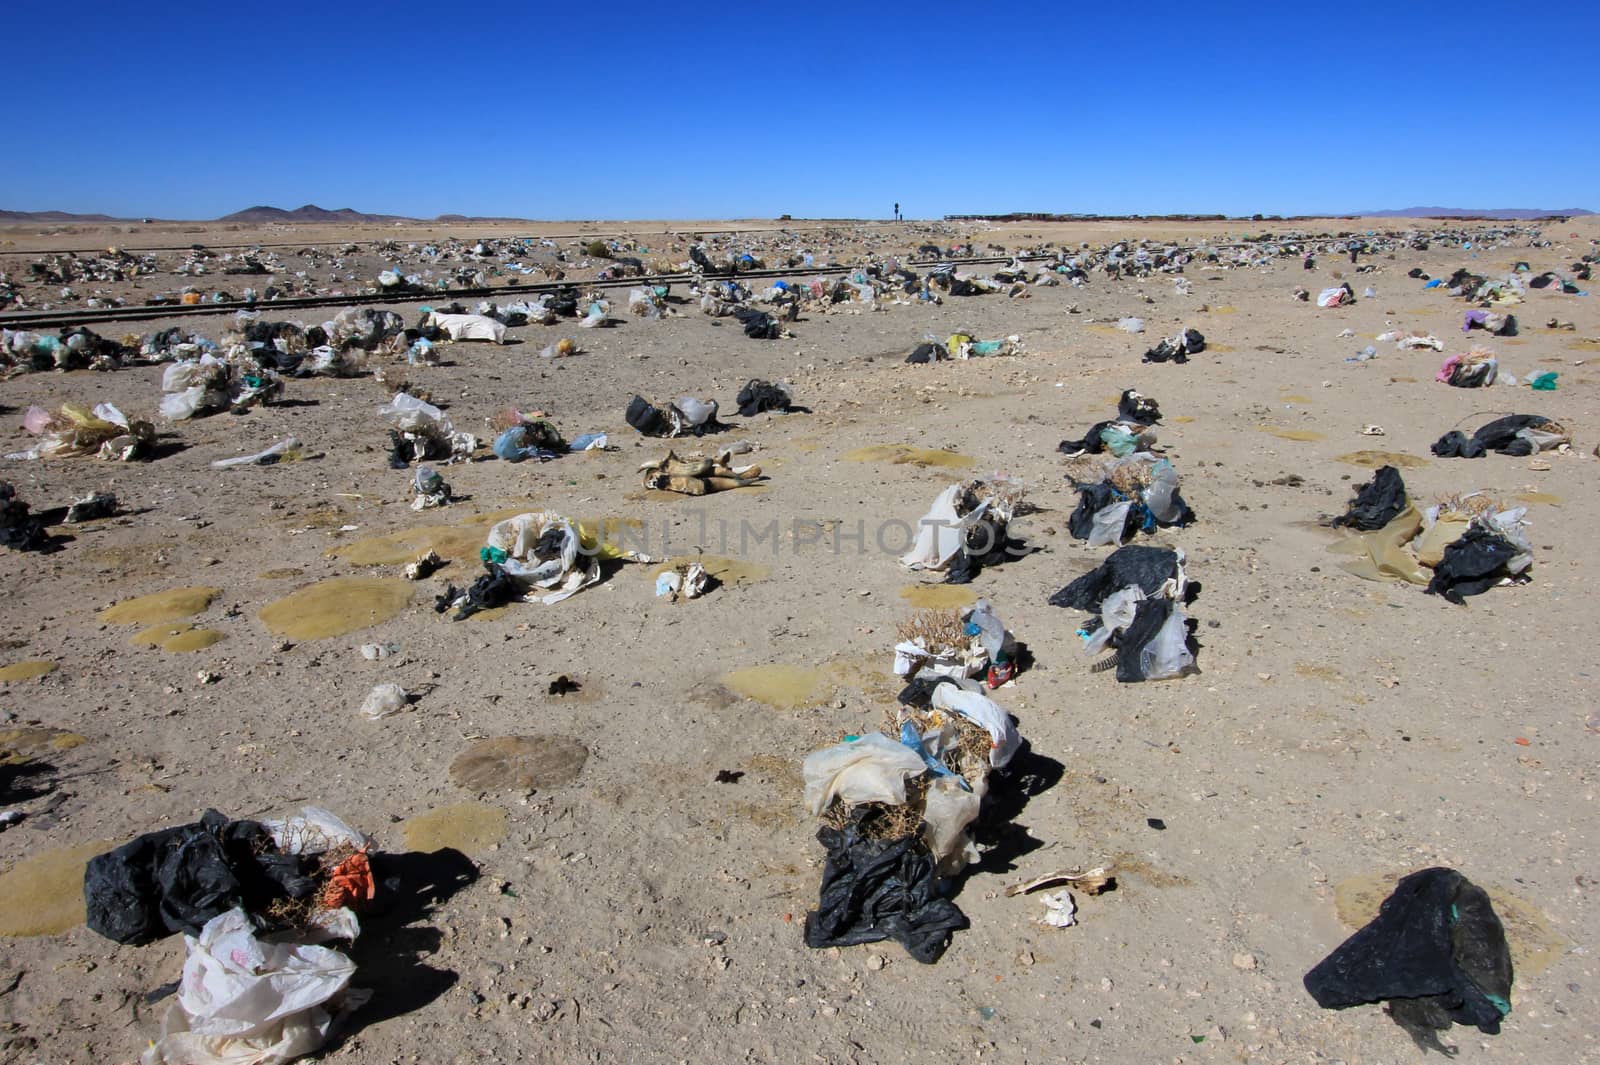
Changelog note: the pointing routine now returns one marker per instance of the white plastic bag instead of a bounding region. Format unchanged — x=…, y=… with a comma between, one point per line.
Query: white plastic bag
x=1116, y=612
x=1167, y=653
x=565, y=575
x=1160, y=496
x=243, y=1001
x=1109, y=521
x=940, y=532
x=384, y=700
x=948, y=811
x=409, y=414
x=312, y=831
x=177, y=406
x=871, y=768
x=469, y=326
x=986, y=714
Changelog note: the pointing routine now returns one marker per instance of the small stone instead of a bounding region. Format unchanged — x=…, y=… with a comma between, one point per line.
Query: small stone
x=1026, y=957
x=1244, y=962
x=876, y=962
x=1106, y=984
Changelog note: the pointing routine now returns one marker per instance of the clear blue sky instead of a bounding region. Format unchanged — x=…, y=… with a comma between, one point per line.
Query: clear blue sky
x=719, y=110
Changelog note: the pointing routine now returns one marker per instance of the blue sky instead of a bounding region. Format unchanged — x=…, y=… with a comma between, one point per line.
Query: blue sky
x=662, y=110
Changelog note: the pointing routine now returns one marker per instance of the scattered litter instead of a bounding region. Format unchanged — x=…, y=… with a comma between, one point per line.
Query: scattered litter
x=286, y=449
x=1060, y=910
x=683, y=582
x=424, y=567
x=384, y=700
x=92, y=507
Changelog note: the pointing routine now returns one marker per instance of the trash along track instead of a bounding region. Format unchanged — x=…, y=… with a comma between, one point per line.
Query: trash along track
x=144, y=312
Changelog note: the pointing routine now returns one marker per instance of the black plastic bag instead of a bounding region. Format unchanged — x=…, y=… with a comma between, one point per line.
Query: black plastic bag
x=758, y=325
x=1499, y=436
x=1137, y=564
x=874, y=890
x=757, y=396
x=494, y=588
x=1149, y=616
x=1436, y=953
x=644, y=417
x=1471, y=565
x=177, y=879
x=19, y=530
x=1090, y=444
x=1092, y=498
x=1133, y=407
x=1377, y=502
x=925, y=352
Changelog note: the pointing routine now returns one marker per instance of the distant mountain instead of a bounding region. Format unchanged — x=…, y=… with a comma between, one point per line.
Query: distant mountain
x=54, y=216
x=1498, y=213
x=309, y=213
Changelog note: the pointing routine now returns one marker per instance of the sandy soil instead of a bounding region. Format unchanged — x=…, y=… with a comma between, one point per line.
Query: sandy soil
x=1338, y=731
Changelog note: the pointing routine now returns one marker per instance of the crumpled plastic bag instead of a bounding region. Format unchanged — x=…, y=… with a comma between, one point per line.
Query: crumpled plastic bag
x=246, y=1001
x=1381, y=554
x=1436, y=952
x=870, y=768
x=986, y=714
x=426, y=428
x=194, y=387
x=469, y=326
x=545, y=550
x=876, y=889
x=941, y=532
x=947, y=813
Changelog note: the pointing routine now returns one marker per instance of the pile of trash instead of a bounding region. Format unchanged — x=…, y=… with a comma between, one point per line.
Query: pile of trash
x=649, y=302
x=1132, y=430
x=1476, y=369
x=519, y=437
x=687, y=580
x=1119, y=497
x=255, y=901
x=966, y=529
x=1463, y=545
x=956, y=643
x=680, y=418
x=77, y=348
x=1177, y=348
x=1137, y=596
x=759, y=397
x=419, y=431
x=696, y=475
x=73, y=430
x=540, y=557
x=1411, y=341
x=962, y=346
x=897, y=811
x=1517, y=435
x=194, y=388
x=1341, y=296
x=1503, y=325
